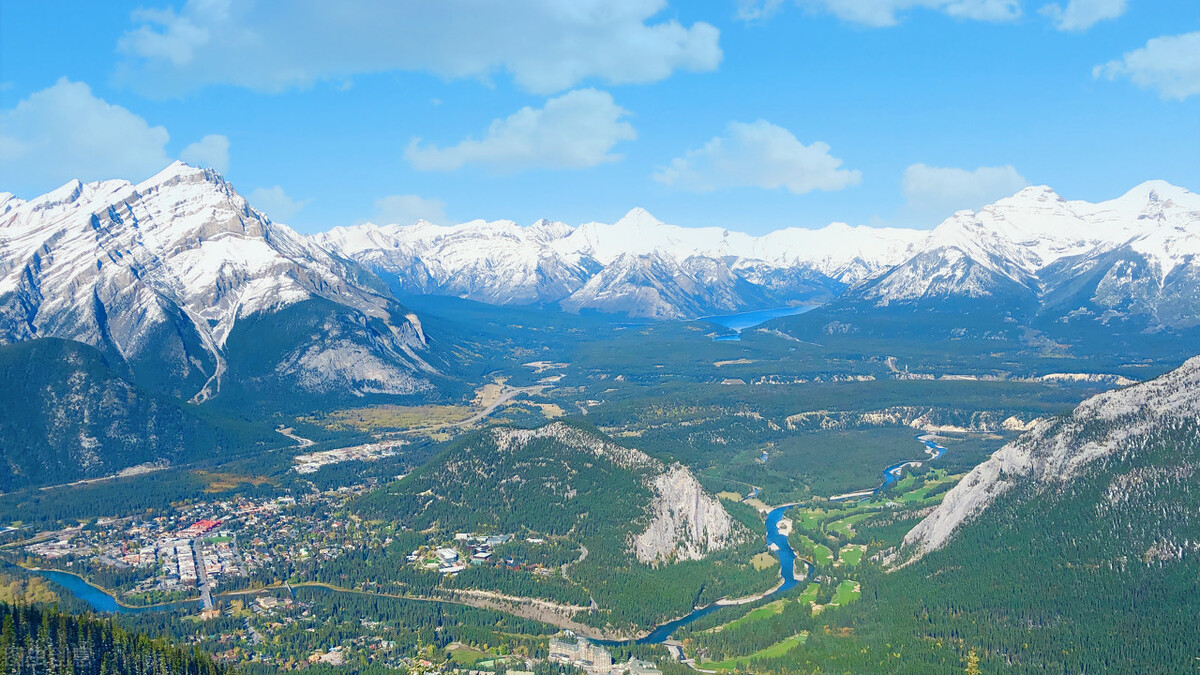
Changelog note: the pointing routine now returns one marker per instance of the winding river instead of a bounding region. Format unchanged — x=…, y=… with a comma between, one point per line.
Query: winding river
x=776, y=541
x=101, y=600
x=893, y=473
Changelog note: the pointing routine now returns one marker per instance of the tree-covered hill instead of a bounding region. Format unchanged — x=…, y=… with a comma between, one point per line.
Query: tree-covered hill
x=652, y=542
x=1086, y=561
x=69, y=415
x=37, y=641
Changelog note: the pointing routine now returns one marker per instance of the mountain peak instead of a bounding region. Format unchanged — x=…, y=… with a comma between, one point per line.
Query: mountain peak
x=1040, y=193
x=178, y=172
x=639, y=217
x=1159, y=191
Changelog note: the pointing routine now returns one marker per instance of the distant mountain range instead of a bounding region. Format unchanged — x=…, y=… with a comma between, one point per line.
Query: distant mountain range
x=1133, y=258
x=637, y=266
x=183, y=283
x=1037, y=261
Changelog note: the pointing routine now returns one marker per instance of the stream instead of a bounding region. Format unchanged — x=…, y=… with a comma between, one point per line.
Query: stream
x=893, y=473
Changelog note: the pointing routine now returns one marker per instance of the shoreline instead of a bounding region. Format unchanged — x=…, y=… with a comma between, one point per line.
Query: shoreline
x=107, y=591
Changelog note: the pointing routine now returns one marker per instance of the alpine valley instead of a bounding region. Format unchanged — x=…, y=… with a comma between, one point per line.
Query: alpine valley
x=416, y=448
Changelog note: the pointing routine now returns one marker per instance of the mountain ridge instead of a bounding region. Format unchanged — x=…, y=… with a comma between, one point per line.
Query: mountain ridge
x=160, y=274
x=1056, y=451
x=1028, y=246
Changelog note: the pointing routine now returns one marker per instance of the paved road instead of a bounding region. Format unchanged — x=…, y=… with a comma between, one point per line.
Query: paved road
x=202, y=577
x=508, y=394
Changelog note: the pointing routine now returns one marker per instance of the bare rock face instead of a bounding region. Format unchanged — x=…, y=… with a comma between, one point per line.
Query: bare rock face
x=1054, y=452
x=687, y=522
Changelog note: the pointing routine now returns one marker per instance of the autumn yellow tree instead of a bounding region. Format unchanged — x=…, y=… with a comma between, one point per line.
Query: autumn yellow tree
x=973, y=663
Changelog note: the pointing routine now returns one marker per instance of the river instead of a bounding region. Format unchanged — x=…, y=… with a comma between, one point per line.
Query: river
x=778, y=542
x=893, y=473
x=787, y=573
x=99, y=599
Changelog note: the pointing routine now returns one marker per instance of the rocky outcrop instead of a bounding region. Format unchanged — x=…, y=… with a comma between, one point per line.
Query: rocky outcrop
x=686, y=521
x=1056, y=451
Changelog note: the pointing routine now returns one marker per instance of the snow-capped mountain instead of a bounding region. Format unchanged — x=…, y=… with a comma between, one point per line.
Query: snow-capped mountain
x=498, y=262
x=166, y=275
x=1031, y=257
x=179, y=278
x=1128, y=258
x=638, y=266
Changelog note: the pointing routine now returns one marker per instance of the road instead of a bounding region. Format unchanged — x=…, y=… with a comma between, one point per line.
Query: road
x=506, y=395
x=301, y=442
x=202, y=577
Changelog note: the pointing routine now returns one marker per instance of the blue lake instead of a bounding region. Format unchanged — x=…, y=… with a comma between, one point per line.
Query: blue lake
x=743, y=320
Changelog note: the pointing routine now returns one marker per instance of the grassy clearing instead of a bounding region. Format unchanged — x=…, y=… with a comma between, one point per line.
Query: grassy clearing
x=920, y=496
x=380, y=417
x=809, y=519
x=845, y=526
x=223, y=482
x=851, y=555
x=847, y=592
x=758, y=614
x=775, y=650
x=463, y=655
x=810, y=593
x=822, y=555
x=550, y=410
x=763, y=561
x=729, y=496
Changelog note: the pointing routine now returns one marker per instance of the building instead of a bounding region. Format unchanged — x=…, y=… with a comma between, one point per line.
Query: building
x=594, y=659
x=581, y=653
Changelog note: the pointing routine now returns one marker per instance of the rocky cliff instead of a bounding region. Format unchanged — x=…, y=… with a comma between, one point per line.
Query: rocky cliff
x=1055, y=452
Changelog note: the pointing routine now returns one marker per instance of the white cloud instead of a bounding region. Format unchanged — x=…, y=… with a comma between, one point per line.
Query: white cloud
x=879, y=13
x=211, y=151
x=408, y=209
x=937, y=192
x=573, y=131
x=1080, y=15
x=756, y=10
x=1169, y=64
x=546, y=45
x=274, y=202
x=66, y=132
x=758, y=154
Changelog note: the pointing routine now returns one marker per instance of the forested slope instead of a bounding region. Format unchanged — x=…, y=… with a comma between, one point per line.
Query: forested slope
x=44, y=641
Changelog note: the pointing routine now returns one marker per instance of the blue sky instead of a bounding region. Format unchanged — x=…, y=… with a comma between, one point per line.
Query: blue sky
x=746, y=115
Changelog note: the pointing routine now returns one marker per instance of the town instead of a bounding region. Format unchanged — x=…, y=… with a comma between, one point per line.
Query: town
x=248, y=559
